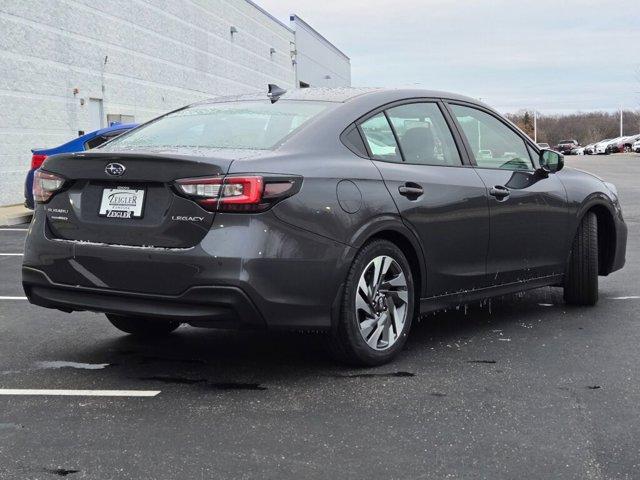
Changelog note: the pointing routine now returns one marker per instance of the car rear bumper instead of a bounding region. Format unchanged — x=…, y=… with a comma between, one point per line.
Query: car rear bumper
x=216, y=306
x=249, y=270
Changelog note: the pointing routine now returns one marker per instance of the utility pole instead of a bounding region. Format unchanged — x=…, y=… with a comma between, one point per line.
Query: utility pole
x=535, y=125
x=621, y=132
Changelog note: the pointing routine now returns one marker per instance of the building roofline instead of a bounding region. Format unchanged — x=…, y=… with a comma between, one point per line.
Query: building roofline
x=262, y=10
x=295, y=18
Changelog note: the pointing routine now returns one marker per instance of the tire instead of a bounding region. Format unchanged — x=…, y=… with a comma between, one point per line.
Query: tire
x=143, y=327
x=363, y=315
x=627, y=149
x=581, y=277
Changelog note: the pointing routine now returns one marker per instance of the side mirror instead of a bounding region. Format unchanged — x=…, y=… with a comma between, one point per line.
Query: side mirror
x=551, y=161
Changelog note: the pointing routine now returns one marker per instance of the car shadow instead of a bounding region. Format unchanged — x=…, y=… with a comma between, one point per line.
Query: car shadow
x=249, y=360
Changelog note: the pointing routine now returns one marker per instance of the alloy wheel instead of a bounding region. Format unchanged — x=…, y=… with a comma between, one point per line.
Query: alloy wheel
x=381, y=302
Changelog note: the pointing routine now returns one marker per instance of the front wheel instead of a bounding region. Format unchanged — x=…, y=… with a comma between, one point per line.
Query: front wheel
x=143, y=327
x=377, y=307
x=581, y=277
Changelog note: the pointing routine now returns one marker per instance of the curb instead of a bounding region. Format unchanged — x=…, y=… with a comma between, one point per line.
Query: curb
x=14, y=215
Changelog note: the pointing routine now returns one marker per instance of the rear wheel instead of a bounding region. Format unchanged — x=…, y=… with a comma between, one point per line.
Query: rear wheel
x=581, y=278
x=143, y=327
x=377, y=306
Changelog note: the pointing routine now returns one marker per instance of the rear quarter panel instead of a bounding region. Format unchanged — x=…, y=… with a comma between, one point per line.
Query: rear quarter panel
x=342, y=195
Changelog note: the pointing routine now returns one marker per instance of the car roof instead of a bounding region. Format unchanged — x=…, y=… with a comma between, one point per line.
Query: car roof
x=345, y=94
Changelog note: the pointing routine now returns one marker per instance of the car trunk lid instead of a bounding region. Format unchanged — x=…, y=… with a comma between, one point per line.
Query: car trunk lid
x=129, y=198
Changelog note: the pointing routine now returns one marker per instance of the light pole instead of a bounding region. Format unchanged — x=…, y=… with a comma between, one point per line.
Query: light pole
x=535, y=126
x=621, y=128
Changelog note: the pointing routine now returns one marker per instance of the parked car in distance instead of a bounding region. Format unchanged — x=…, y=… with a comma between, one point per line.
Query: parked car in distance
x=627, y=146
x=565, y=146
x=617, y=145
x=600, y=148
x=577, y=151
x=636, y=146
x=292, y=212
x=589, y=149
x=543, y=145
x=84, y=142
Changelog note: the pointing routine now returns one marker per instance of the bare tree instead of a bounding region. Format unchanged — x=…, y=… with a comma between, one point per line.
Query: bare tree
x=586, y=127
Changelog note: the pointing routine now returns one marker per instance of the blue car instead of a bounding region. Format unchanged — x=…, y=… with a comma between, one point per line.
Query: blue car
x=85, y=142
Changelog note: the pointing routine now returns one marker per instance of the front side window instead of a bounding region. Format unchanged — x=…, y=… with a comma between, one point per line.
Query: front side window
x=237, y=125
x=380, y=139
x=493, y=144
x=424, y=135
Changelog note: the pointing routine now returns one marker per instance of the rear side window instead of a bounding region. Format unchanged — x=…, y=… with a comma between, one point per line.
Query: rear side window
x=380, y=139
x=238, y=125
x=424, y=135
x=493, y=143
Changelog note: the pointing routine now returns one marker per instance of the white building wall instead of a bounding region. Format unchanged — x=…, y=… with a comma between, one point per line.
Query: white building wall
x=318, y=62
x=141, y=57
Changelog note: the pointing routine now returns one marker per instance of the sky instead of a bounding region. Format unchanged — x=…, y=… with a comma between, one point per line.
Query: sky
x=554, y=56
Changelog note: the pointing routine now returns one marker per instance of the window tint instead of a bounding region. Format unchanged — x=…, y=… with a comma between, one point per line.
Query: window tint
x=494, y=145
x=380, y=139
x=423, y=134
x=252, y=125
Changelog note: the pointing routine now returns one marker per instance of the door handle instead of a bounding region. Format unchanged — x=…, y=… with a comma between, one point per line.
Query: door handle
x=499, y=192
x=411, y=190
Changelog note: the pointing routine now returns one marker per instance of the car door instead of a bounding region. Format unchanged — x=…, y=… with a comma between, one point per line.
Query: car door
x=438, y=196
x=528, y=207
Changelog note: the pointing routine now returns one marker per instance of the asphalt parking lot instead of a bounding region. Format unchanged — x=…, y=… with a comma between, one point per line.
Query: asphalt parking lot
x=522, y=388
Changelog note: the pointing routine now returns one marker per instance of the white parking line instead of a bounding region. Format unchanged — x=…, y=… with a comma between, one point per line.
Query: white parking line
x=81, y=393
x=11, y=254
x=630, y=297
x=13, y=298
x=14, y=229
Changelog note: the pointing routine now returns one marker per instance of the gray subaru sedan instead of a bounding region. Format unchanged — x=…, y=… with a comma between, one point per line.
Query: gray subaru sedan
x=347, y=211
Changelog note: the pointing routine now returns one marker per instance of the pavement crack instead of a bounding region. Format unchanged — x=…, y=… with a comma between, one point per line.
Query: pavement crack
x=61, y=472
x=481, y=361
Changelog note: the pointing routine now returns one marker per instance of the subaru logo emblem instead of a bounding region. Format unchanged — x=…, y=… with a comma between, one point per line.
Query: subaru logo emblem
x=115, y=169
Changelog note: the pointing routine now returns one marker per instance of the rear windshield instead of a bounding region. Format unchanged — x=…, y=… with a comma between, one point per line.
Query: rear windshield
x=237, y=125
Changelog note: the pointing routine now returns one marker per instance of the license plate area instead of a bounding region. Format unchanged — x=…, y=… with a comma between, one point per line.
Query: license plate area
x=122, y=202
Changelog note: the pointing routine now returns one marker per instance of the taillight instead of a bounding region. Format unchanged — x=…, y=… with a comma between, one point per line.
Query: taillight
x=37, y=160
x=239, y=193
x=45, y=184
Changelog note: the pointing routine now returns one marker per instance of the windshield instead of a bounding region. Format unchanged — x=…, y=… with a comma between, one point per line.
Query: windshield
x=237, y=125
